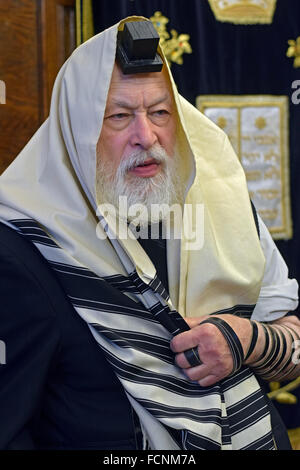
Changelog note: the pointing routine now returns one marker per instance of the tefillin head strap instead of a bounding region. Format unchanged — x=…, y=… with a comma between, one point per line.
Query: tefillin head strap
x=137, y=48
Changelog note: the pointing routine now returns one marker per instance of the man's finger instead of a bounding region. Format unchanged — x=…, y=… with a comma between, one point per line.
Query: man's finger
x=186, y=340
x=182, y=360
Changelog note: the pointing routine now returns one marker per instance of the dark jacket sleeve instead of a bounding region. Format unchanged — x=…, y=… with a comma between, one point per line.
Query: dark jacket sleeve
x=30, y=335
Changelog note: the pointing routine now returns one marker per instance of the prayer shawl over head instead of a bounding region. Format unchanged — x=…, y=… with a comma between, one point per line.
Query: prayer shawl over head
x=48, y=194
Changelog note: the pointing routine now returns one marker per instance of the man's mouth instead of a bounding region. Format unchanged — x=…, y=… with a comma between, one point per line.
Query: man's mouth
x=147, y=169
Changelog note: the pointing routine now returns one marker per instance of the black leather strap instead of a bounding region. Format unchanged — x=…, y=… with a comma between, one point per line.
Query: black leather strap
x=232, y=341
x=192, y=356
x=253, y=339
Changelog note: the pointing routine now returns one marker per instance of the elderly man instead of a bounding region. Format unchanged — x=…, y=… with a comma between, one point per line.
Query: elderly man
x=127, y=342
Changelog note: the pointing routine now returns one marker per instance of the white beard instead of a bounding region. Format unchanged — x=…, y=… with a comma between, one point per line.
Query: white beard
x=160, y=191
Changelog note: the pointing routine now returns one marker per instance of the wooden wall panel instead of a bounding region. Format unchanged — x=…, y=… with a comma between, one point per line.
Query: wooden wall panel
x=19, y=116
x=57, y=41
x=36, y=37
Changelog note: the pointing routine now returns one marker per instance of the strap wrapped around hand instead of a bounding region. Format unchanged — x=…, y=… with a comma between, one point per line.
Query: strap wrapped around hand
x=232, y=341
x=192, y=356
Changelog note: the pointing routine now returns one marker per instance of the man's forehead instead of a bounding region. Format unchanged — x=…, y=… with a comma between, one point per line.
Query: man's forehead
x=127, y=90
x=159, y=78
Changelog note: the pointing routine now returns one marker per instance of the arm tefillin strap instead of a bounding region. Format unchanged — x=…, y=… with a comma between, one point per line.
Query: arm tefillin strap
x=273, y=361
x=137, y=48
x=253, y=340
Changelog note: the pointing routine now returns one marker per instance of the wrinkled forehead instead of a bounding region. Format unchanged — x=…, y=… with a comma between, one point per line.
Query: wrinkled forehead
x=154, y=80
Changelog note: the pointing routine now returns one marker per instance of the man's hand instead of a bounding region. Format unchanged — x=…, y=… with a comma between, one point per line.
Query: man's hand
x=214, y=352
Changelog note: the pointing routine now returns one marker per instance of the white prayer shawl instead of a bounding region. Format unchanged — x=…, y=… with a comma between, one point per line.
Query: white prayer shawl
x=50, y=188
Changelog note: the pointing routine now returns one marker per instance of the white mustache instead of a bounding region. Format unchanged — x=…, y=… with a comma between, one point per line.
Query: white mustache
x=156, y=152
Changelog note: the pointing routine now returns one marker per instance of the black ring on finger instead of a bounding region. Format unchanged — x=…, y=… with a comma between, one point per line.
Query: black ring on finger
x=192, y=356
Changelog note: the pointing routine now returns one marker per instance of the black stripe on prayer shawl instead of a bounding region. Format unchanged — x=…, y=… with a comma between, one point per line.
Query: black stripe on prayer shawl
x=167, y=411
x=117, y=281
x=243, y=374
x=264, y=443
x=195, y=442
x=24, y=223
x=247, y=412
x=170, y=319
x=40, y=241
x=112, y=308
x=173, y=384
x=74, y=270
x=93, y=287
x=155, y=284
x=146, y=343
x=226, y=432
x=30, y=229
x=36, y=238
x=137, y=281
x=121, y=283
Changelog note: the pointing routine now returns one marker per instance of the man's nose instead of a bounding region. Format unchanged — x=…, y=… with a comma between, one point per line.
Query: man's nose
x=143, y=132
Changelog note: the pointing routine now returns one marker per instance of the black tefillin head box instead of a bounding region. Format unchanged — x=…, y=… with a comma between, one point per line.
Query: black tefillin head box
x=137, y=48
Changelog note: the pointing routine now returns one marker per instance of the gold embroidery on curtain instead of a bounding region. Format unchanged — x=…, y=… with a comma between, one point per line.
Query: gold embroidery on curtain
x=244, y=11
x=294, y=51
x=176, y=45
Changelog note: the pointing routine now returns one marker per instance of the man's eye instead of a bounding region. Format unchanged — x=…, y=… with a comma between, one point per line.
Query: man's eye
x=119, y=116
x=160, y=117
x=161, y=112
